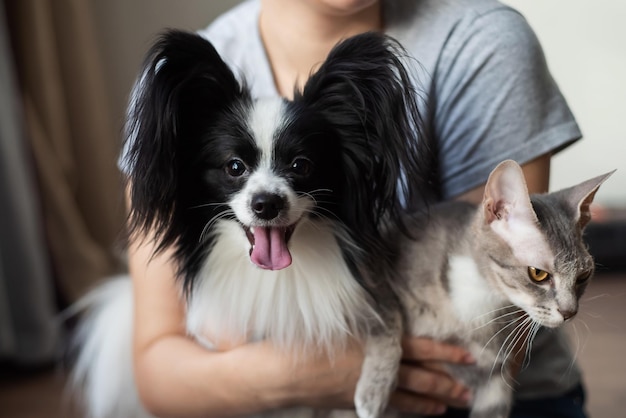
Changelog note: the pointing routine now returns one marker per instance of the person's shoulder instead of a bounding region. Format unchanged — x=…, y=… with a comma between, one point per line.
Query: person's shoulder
x=428, y=28
x=232, y=27
x=423, y=12
x=467, y=9
x=476, y=7
x=485, y=26
x=492, y=20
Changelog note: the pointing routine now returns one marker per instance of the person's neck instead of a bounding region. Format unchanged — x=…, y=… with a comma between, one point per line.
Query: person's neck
x=298, y=35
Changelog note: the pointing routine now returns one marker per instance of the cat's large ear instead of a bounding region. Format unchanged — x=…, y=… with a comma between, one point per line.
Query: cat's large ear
x=509, y=214
x=580, y=197
x=506, y=196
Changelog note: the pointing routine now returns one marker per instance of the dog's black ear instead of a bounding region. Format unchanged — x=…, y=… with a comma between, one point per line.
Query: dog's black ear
x=366, y=92
x=183, y=85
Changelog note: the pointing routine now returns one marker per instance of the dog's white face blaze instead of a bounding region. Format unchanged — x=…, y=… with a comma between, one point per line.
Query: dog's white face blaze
x=270, y=235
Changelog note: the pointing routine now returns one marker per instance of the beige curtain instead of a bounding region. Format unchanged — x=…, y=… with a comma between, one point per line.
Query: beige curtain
x=73, y=139
x=29, y=334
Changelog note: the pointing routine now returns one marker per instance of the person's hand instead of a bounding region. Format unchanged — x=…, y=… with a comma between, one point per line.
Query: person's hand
x=305, y=379
x=317, y=381
x=423, y=385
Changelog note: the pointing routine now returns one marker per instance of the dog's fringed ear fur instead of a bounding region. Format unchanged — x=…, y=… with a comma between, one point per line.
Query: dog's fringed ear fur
x=368, y=95
x=183, y=80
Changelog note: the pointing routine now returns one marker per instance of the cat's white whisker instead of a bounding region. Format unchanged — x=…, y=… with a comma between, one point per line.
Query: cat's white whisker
x=513, y=321
x=593, y=315
x=586, y=326
x=592, y=298
x=497, y=318
x=524, y=339
x=518, y=321
x=516, y=335
x=536, y=326
x=582, y=340
x=503, y=329
x=493, y=311
x=509, y=341
x=519, y=333
x=579, y=347
x=500, y=308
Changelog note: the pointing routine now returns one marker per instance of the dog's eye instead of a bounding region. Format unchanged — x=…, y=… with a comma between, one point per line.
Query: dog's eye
x=301, y=166
x=235, y=168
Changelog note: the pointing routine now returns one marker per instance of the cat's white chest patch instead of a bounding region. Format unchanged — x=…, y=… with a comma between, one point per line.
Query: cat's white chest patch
x=472, y=296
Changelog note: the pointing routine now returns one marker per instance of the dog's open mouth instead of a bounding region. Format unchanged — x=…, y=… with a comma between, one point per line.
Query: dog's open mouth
x=269, y=246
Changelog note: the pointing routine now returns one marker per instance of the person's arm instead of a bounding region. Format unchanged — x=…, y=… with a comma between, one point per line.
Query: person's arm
x=536, y=172
x=175, y=376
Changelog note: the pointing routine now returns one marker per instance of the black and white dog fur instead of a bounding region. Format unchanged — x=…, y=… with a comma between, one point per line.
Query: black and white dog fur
x=276, y=210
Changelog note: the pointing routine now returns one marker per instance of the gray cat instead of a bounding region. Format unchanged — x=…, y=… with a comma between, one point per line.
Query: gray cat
x=487, y=277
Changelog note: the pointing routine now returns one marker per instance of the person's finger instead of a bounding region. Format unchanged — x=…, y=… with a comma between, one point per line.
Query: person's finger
x=410, y=403
x=434, y=365
x=424, y=382
x=425, y=349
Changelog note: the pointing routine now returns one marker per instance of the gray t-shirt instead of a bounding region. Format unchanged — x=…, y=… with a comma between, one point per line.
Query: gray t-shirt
x=487, y=96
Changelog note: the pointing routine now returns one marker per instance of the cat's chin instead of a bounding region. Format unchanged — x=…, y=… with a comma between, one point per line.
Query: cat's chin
x=548, y=322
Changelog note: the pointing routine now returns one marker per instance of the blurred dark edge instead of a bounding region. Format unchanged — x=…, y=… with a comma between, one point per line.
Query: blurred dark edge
x=607, y=241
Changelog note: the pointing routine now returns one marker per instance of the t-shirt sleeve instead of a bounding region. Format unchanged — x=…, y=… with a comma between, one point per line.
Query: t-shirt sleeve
x=494, y=99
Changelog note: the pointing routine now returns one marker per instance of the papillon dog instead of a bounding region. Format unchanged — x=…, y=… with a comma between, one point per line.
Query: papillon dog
x=278, y=211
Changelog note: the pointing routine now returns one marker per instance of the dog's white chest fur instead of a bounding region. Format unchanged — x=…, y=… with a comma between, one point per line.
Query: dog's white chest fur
x=314, y=303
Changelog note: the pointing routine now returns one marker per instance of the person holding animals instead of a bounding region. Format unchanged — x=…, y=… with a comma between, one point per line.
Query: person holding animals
x=486, y=95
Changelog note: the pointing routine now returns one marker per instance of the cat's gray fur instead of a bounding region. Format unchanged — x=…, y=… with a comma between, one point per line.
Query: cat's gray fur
x=465, y=276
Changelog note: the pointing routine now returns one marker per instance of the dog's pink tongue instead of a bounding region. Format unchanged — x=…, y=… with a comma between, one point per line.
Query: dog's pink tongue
x=270, y=250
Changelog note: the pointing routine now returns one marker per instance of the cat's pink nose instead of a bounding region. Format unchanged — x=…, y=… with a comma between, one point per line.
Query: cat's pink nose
x=566, y=314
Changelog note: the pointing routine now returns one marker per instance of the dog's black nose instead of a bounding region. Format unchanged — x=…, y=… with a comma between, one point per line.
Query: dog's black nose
x=267, y=205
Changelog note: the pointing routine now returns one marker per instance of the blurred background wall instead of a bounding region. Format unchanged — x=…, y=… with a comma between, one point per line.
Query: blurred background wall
x=585, y=45
x=126, y=29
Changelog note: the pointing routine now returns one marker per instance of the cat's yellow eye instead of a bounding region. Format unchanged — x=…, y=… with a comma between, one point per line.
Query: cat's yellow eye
x=537, y=275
